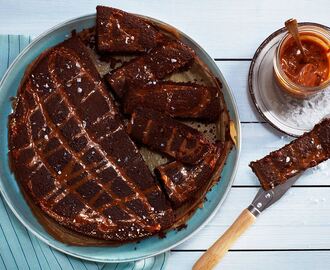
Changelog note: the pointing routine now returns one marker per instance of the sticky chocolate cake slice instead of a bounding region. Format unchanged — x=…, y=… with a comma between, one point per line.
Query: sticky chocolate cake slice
x=120, y=32
x=151, y=67
x=162, y=133
x=183, y=100
x=181, y=181
x=72, y=156
x=305, y=152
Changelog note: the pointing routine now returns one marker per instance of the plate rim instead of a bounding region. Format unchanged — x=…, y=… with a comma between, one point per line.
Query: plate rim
x=204, y=222
x=251, y=70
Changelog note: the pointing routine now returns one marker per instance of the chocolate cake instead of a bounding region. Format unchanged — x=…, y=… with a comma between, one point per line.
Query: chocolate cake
x=183, y=100
x=122, y=32
x=162, y=133
x=151, y=67
x=307, y=151
x=71, y=154
x=182, y=181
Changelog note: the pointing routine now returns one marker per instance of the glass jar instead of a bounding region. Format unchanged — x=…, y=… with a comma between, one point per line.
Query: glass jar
x=309, y=32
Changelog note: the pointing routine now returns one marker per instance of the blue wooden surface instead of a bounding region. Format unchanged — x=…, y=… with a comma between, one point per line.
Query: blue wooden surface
x=19, y=249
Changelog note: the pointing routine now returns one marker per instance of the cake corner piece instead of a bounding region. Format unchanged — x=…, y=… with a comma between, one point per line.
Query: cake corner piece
x=118, y=31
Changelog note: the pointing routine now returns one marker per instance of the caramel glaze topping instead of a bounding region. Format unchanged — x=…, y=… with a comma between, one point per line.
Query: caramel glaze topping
x=70, y=152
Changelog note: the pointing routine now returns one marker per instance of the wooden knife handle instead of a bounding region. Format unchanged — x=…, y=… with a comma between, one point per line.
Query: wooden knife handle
x=219, y=249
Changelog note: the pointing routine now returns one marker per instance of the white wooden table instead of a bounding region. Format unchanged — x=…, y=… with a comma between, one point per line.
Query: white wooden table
x=294, y=233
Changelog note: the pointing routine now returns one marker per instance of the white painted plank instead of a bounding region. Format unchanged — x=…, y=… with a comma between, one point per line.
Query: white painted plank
x=234, y=28
x=300, y=220
x=259, y=140
x=236, y=75
x=256, y=260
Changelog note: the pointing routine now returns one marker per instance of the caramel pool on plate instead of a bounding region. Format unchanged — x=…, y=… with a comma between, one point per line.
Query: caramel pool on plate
x=299, y=76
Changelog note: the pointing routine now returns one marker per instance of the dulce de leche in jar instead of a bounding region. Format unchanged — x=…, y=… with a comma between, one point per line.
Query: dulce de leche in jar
x=302, y=76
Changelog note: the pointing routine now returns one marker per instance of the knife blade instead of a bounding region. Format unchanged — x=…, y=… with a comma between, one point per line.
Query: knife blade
x=266, y=198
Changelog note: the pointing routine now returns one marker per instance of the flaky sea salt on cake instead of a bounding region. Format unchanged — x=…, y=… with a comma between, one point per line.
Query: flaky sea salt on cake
x=72, y=156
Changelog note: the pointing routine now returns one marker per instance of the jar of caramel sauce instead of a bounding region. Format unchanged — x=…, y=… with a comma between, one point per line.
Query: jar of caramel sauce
x=298, y=76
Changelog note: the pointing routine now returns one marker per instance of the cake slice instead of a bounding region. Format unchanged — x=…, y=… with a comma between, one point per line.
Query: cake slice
x=164, y=134
x=183, y=100
x=120, y=32
x=72, y=156
x=305, y=152
x=151, y=67
x=181, y=182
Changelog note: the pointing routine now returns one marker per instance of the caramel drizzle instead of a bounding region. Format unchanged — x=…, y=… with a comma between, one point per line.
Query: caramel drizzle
x=182, y=150
x=70, y=188
x=50, y=169
x=91, y=143
x=55, y=130
x=71, y=108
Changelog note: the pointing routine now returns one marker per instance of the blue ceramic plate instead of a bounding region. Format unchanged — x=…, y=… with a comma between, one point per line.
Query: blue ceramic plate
x=128, y=252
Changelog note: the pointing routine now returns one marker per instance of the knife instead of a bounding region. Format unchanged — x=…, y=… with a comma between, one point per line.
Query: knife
x=262, y=200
